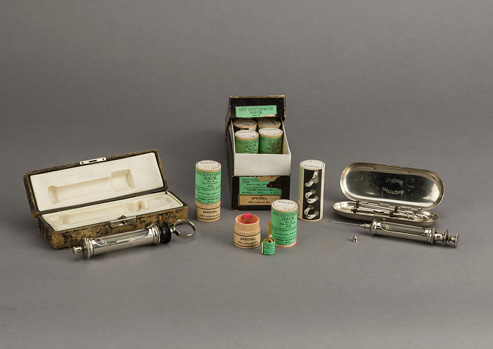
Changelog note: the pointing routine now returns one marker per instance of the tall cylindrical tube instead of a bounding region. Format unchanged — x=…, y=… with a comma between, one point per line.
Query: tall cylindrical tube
x=311, y=190
x=207, y=191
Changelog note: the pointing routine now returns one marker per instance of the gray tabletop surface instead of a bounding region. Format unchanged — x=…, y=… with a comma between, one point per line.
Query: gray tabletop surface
x=404, y=83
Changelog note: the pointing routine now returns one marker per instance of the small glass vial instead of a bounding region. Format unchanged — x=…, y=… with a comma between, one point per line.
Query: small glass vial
x=269, y=244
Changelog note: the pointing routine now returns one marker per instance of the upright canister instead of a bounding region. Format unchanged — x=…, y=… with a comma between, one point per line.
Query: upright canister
x=311, y=190
x=245, y=124
x=270, y=141
x=247, y=231
x=246, y=142
x=207, y=191
x=284, y=217
x=268, y=123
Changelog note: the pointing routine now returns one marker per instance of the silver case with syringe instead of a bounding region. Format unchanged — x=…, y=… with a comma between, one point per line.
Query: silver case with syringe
x=396, y=194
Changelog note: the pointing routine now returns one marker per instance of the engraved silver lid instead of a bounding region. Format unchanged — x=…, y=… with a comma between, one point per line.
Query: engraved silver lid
x=398, y=194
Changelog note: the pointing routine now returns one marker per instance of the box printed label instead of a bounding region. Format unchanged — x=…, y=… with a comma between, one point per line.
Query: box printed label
x=256, y=111
x=257, y=200
x=257, y=186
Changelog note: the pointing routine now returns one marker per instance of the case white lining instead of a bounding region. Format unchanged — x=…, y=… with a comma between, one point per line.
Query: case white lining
x=110, y=211
x=99, y=181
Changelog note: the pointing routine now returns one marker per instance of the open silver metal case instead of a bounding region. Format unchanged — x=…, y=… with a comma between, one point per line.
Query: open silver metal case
x=396, y=194
x=100, y=197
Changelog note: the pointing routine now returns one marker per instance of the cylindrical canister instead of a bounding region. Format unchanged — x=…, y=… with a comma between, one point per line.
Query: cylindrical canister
x=247, y=231
x=284, y=217
x=245, y=124
x=270, y=141
x=268, y=123
x=207, y=191
x=311, y=190
x=246, y=142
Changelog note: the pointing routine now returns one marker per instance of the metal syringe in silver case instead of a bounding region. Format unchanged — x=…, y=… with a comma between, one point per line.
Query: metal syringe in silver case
x=406, y=231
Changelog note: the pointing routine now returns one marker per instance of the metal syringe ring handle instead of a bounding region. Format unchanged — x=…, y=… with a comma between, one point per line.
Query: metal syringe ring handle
x=152, y=235
x=410, y=232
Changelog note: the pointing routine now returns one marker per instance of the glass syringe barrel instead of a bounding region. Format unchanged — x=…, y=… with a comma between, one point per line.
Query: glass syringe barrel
x=403, y=231
x=409, y=232
x=152, y=235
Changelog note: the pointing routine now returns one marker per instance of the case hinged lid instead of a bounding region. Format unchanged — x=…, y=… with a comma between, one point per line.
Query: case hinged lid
x=398, y=193
x=256, y=107
x=94, y=181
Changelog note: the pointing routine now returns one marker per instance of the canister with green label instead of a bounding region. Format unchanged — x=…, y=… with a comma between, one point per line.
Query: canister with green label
x=270, y=141
x=245, y=124
x=284, y=217
x=207, y=191
x=268, y=123
x=246, y=141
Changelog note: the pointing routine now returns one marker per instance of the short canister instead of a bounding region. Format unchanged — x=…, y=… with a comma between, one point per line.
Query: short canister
x=245, y=124
x=311, y=190
x=207, y=191
x=246, y=142
x=284, y=217
x=268, y=123
x=270, y=141
x=247, y=231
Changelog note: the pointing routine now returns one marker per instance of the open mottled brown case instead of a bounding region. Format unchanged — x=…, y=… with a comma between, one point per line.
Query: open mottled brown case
x=100, y=197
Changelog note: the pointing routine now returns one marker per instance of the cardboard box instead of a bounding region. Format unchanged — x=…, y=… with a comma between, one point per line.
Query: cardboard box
x=256, y=180
x=100, y=197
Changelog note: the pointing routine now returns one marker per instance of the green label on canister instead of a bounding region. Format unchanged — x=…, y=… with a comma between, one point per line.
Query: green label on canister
x=208, y=182
x=284, y=216
x=246, y=141
x=270, y=141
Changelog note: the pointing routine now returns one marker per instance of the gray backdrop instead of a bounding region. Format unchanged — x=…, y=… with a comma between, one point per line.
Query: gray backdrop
x=405, y=83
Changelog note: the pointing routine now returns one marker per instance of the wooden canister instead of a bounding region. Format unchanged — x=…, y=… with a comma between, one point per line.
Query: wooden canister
x=246, y=142
x=207, y=191
x=268, y=123
x=247, y=231
x=270, y=141
x=284, y=217
x=311, y=190
x=245, y=124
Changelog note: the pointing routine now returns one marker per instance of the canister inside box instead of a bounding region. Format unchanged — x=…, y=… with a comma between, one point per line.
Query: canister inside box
x=256, y=180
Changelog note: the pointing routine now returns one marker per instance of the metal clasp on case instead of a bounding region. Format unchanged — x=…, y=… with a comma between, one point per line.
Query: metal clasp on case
x=92, y=161
x=121, y=221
